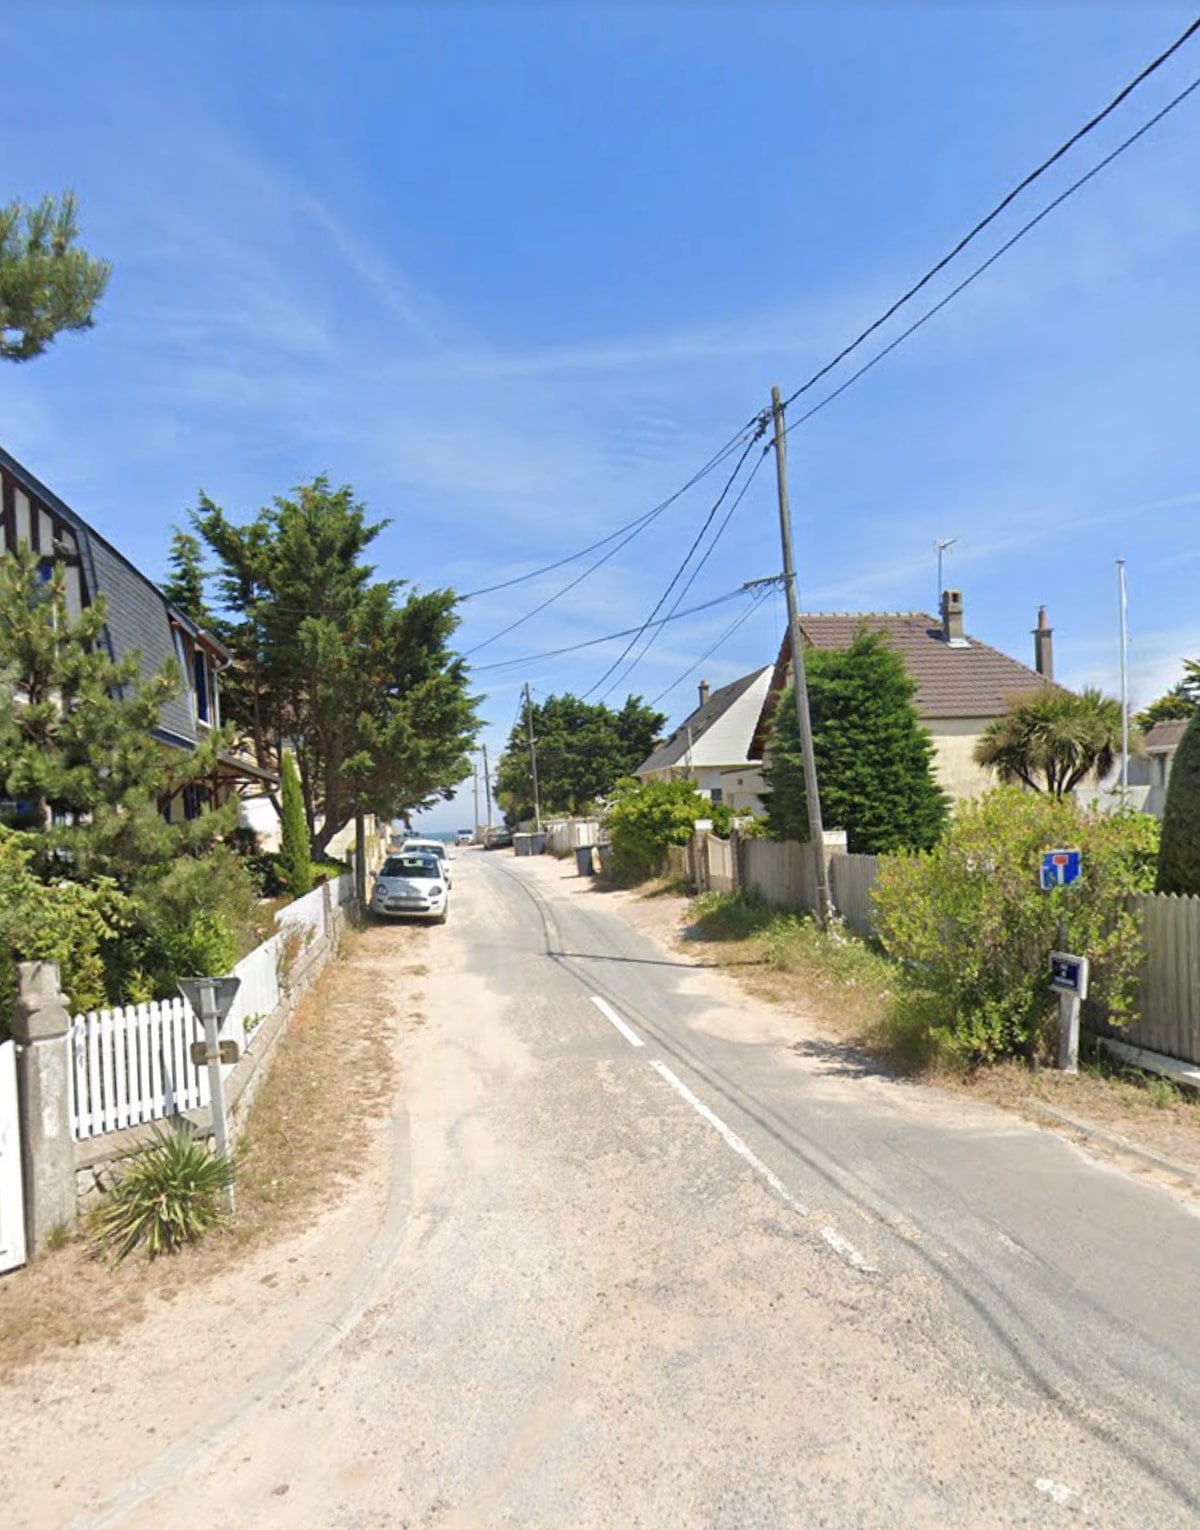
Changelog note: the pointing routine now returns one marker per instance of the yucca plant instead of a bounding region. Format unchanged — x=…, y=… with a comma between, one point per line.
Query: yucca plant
x=164, y=1195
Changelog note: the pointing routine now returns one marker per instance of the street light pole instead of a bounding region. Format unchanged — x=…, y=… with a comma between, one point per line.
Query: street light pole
x=537, y=806
x=816, y=832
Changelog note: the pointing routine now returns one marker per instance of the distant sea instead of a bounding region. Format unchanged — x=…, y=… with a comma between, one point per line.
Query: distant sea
x=445, y=835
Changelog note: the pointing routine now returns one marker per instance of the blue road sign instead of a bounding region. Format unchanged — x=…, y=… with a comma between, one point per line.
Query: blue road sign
x=1069, y=974
x=1060, y=868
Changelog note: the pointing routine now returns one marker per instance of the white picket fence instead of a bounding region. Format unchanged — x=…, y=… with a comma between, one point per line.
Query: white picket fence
x=133, y=1065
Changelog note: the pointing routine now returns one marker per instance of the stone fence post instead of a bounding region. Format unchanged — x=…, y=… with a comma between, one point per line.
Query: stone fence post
x=40, y=1026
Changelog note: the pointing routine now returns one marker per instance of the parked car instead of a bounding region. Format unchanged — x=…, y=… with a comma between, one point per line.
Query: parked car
x=464, y=837
x=411, y=883
x=498, y=838
x=431, y=847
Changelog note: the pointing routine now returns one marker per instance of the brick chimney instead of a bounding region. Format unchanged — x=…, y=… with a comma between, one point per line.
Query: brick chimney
x=704, y=693
x=952, y=617
x=1043, y=646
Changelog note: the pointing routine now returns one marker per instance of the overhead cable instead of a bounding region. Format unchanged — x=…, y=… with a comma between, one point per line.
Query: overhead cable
x=611, y=637
x=739, y=621
x=635, y=525
x=1088, y=127
x=693, y=576
x=992, y=259
x=759, y=429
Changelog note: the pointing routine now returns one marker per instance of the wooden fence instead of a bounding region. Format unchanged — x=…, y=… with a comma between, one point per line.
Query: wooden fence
x=133, y=1065
x=1169, y=995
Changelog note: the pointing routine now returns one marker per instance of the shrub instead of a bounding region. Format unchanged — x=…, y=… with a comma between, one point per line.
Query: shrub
x=1179, y=858
x=164, y=1195
x=874, y=759
x=973, y=930
x=196, y=920
x=645, y=819
x=295, y=854
x=67, y=923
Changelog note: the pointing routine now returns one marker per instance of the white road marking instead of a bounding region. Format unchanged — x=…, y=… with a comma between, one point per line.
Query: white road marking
x=1058, y=1491
x=846, y=1249
x=732, y=1138
x=609, y=1013
x=831, y=1236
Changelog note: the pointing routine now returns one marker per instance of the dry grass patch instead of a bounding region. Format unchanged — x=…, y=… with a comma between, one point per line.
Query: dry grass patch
x=850, y=990
x=308, y=1135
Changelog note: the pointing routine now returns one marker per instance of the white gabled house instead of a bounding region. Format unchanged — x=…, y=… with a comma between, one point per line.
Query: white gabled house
x=711, y=746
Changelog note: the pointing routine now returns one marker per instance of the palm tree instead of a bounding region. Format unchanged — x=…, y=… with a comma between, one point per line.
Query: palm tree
x=1053, y=739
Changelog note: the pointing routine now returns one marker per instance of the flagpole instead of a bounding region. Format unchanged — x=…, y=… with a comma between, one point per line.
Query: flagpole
x=1124, y=684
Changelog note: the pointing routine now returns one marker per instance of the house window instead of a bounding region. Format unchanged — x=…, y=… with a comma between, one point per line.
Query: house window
x=716, y=795
x=200, y=670
x=194, y=801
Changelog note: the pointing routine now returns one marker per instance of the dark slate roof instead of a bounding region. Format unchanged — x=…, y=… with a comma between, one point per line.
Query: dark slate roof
x=699, y=722
x=953, y=680
x=140, y=616
x=1163, y=737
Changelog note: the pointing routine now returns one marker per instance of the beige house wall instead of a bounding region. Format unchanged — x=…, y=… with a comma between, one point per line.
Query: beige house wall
x=741, y=786
x=954, y=740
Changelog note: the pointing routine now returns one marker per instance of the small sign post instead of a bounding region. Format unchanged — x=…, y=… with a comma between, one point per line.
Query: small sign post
x=1069, y=976
x=211, y=999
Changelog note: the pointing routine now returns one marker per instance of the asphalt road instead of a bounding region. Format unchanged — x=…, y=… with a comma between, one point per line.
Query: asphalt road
x=662, y=1267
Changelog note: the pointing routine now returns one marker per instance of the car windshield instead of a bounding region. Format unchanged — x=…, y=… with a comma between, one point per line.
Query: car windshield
x=411, y=865
x=424, y=849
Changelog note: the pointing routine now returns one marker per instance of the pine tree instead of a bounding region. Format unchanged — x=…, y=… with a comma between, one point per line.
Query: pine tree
x=295, y=860
x=874, y=759
x=46, y=284
x=365, y=685
x=77, y=735
x=184, y=586
x=1179, y=852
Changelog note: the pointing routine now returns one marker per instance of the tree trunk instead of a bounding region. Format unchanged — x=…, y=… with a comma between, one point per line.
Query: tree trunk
x=360, y=858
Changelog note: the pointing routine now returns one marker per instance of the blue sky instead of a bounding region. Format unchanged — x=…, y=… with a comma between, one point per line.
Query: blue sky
x=515, y=272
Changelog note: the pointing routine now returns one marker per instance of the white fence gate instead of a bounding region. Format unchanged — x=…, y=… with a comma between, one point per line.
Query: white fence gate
x=12, y=1197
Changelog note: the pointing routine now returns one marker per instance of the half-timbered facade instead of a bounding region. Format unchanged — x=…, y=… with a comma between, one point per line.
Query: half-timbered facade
x=139, y=620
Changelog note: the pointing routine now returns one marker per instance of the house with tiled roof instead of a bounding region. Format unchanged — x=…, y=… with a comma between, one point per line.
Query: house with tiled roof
x=711, y=746
x=962, y=683
x=140, y=619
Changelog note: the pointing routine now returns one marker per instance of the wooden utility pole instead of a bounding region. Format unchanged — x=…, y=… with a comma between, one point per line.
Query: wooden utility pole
x=537, y=805
x=487, y=786
x=816, y=832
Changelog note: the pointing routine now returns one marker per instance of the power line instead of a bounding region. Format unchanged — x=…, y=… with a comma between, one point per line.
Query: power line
x=760, y=597
x=992, y=259
x=637, y=524
x=760, y=427
x=693, y=576
x=611, y=637
x=1088, y=127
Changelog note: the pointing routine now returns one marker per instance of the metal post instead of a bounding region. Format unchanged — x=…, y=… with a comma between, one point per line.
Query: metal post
x=210, y=1019
x=1124, y=685
x=476, y=780
x=941, y=545
x=816, y=832
x=487, y=786
x=537, y=806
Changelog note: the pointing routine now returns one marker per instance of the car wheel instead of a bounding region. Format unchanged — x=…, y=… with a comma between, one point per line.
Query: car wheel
x=441, y=918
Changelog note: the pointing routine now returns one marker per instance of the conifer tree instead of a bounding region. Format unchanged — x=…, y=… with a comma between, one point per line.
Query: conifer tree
x=874, y=759
x=1179, y=850
x=295, y=859
x=47, y=285
x=184, y=585
x=77, y=735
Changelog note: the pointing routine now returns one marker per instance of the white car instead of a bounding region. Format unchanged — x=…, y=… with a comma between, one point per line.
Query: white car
x=431, y=847
x=411, y=883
